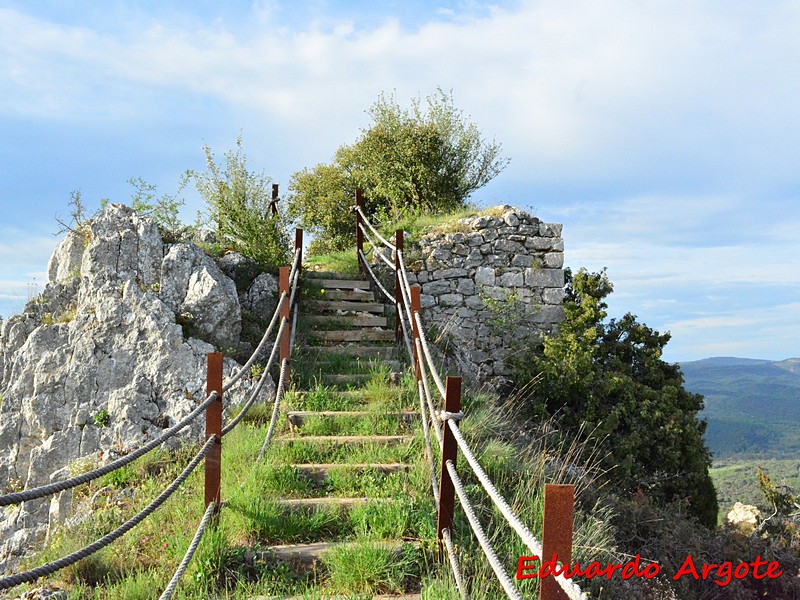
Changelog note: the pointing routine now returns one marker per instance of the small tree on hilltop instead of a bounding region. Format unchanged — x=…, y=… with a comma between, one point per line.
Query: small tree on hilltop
x=428, y=159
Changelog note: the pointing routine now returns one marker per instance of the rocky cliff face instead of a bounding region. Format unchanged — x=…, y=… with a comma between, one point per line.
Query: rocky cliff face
x=107, y=357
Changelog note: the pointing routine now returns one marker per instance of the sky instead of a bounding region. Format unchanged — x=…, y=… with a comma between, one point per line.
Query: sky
x=665, y=136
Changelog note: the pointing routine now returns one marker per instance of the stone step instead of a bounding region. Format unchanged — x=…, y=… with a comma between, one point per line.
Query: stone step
x=297, y=417
x=339, y=440
x=327, y=305
x=360, y=596
x=354, y=335
x=343, y=284
x=300, y=504
x=330, y=363
x=353, y=295
x=351, y=320
x=310, y=553
x=320, y=471
x=331, y=275
x=356, y=351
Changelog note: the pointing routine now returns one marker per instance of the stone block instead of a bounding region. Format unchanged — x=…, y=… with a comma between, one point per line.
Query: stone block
x=460, y=250
x=426, y=301
x=475, y=302
x=539, y=243
x=554, y=260
x=484, y=276
x=474, y=259
x=502, y=245
x=466, y=286
x=512, y=279
x=550, y=229
x=553, y=296
x=466, y=313
x=489, y=234
x=474, y=239
x=544, y=278
x=521, y=260
x=451, y=299
x=511, y=219
x=450, y=273
x=549, y=314
x=434, y=288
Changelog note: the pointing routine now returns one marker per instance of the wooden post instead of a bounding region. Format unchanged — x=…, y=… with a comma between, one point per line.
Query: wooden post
x=559, y=506
x=415, y=308
x=213, y=427
x=273, y=205
x=398, y=293
x=359, y=233
x=452, y=403
x=283, y=277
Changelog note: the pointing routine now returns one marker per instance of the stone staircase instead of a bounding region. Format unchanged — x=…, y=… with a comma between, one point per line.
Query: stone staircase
x=348, y=338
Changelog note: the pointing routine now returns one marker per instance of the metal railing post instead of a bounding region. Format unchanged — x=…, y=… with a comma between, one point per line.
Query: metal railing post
x=398, y=293
x=213, y=459
x=452, y=404
x=283, y=278
x=298, y=245
x=273, y=205
x=359, y=232
x=559, y=506
x=416, y=308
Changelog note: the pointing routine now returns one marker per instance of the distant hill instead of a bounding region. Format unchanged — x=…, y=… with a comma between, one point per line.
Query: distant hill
x=752, y=406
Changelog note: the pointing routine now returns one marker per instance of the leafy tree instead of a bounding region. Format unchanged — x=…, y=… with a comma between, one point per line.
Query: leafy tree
x=609, y=376
x=428, y=159
x=239, y=204
x=164, y=210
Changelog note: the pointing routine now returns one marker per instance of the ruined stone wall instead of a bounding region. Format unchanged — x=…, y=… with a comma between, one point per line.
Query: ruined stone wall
x=486, y=281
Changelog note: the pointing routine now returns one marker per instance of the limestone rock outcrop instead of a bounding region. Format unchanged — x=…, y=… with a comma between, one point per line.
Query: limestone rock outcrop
x=101, y=362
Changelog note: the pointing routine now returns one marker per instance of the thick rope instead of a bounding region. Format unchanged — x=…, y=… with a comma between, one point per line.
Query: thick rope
x=295, y=263
x=424, y=379
x=570, y=588
x=427, y=436
x=375, y=249
x=495, y=563
x=426, y=351
x=275, y=409
x=405, y=286
x=370, y=272
x=60, y=486
x=293, y=331
x=52, y=567
x=375, y=231
x=187, y=558
x=293, y=286
x=451, y=554
x=406, y=338
x=260, y=346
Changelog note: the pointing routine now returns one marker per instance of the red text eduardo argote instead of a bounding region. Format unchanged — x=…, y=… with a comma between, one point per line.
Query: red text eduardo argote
x=531, y=567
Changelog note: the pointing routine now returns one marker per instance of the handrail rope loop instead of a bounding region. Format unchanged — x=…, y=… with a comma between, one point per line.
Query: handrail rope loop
x=571, y=588
x=375, y=231
x=444, y=415
x=260, y=347
x=60, y=486
x=275, y=410
x=375, y=249
x=454, y=566
x=495, y=563
x=261, y=381
x=426, y=351
x=375, y=279
x=427, y=436
x=187, y=558
x=424, y=379
x=52, y=567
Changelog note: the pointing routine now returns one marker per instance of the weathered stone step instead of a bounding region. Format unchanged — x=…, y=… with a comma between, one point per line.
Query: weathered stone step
x=325, y=305
x=349, y=439
x=359, y=351
x=354, y=335
x=354, y=295
x=329, y=363
x=331, y=275
x=309, y=553
x=299, y=504
x=319, y=471
x=297, y=417
x=352, y=320
x=343, y=284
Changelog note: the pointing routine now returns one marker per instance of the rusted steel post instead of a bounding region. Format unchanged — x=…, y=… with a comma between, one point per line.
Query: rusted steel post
x=452, y=403
x=559, y=506
x=298, y=245
x=273, y=205
x=283, y=345
x=416, y=308
x=398, y=293
x=359, y=232
x=213, y=459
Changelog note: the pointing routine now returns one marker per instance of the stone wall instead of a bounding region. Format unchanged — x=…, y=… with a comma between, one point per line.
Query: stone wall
x=486, y=281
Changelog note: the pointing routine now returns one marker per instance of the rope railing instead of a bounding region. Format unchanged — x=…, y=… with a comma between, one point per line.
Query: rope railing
x=456, y=568
x=375, y=231
x=275, y=411
x=52, y=567
x=375, y=280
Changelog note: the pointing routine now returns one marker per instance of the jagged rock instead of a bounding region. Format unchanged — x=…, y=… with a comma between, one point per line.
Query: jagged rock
x=109, y=374
x=241, y=269
x=44, y=593
x=66, y=260
x=744, y=517
x=262, y=296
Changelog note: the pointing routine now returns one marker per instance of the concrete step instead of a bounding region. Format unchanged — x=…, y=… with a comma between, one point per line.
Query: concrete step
x=351, y=320
x=319, y=472
x=339, y=440
x=343, y=284
x=353, y=335
x=328, y=305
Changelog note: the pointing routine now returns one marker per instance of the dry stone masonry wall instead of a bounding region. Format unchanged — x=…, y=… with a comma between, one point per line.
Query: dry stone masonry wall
x=487, y=280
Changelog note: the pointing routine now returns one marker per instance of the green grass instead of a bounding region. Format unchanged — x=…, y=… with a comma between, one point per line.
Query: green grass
x=335, y=262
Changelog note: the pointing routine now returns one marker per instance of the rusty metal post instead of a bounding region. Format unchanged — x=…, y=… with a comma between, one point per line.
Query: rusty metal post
x=213, y=459
x=298, y=245
x=559, y=506
x=359, y=233
x=416, y=308
x=273, y=205
x=452, y=403
x=283, y=345
x=398, y=293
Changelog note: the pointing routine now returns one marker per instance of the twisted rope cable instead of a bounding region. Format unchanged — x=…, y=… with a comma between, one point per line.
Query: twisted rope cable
x=405, y=286
x=451, y=554
x=187, y=558
x=295, y=263
x=293, y=279
x=375, y=248
x=52, y=567
x=275, y=409
x=570, y=588
x=60, y=486
x=424, y=380
x=371, y=273
x=428, y=450
x=293, y=331
x=375, y=231
x=495, y=563
x=406, y=338
x=260, y=346
x=426, y=351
